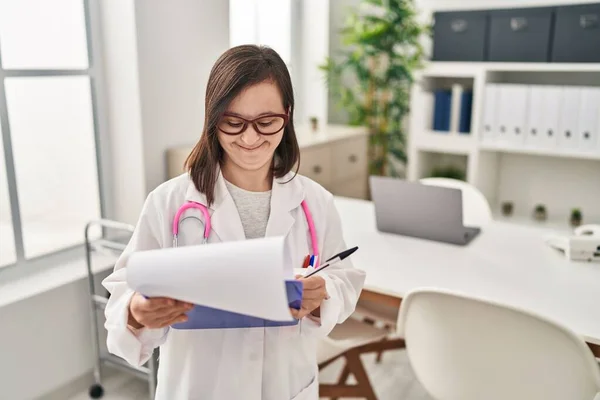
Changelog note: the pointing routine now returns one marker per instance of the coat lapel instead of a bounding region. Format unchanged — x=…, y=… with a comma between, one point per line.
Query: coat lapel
x=225, y=219
x=286, y=196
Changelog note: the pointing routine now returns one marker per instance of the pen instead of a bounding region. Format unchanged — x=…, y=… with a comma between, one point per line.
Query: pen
x=334, y=260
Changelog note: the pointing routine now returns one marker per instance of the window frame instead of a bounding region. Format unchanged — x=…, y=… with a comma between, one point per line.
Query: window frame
x=22, y=265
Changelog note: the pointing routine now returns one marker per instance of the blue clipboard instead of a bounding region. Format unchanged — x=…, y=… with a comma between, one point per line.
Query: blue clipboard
x=201, y=317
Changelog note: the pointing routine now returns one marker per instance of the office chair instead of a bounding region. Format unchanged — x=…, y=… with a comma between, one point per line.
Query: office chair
x=462, y=348
x=476, y=209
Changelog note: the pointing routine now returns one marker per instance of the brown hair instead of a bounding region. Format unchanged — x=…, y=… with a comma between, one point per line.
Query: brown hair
x=237, y=69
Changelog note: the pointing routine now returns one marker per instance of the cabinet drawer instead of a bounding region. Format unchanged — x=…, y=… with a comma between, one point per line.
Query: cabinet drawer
x=356, y=187
x=349, y=158
x=315, y=163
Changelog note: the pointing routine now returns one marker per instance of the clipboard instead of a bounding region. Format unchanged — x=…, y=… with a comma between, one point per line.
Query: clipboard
x=201, y=317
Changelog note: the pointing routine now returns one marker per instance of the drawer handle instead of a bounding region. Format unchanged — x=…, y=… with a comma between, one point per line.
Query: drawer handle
x=587, y=21
x=518, y=23
x=317, y=169
x=458, y=25
x=353, y=158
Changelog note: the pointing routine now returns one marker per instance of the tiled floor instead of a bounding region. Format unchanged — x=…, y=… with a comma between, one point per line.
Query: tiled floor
x=392, y=379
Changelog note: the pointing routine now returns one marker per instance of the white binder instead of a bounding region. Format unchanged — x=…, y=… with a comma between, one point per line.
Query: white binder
x=542, y=121
x=457, y=91
x=512, y=113
x=589, y=119
x=569, y=115
x=490, y=106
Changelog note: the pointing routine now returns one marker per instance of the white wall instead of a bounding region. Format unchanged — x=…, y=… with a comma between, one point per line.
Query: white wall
x=178, y=42
x=45, y=342
x=123, y=108
x=338, y=12
x=314, y=30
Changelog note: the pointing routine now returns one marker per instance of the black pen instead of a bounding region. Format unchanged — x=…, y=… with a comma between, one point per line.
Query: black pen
x=334, y=260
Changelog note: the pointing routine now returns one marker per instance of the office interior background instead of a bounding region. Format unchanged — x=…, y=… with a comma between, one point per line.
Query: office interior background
x=102, y=100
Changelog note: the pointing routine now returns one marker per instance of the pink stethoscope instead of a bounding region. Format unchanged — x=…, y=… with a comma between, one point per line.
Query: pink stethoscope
x=192, y=204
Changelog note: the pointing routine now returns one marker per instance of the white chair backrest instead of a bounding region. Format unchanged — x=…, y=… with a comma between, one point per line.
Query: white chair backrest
x=476, y=210
x=468, y=349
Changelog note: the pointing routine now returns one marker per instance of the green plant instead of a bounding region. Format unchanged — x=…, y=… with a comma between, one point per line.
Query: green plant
x=383, y=51
x=576, y=213
x=540, y=208
x=448, y=172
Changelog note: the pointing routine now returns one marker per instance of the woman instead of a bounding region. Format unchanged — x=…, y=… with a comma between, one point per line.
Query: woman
x=241, y=169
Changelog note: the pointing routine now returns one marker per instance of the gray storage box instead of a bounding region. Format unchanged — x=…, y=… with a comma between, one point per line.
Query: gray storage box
x=459, y=36
x=577, y=34
x=521, y=35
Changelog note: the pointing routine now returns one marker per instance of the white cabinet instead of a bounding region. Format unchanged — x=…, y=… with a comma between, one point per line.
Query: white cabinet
x=335, y=157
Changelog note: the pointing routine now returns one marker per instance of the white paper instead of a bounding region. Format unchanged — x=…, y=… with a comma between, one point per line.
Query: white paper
x=245, y=277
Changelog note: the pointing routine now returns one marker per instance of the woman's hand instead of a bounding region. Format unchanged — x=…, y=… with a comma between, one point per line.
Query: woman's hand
x=156, y=312
x=313, y=294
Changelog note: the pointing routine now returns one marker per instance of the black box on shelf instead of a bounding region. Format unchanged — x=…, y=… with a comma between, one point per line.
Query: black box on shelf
x=459, y=36
x=577, y=34
x=520, y=34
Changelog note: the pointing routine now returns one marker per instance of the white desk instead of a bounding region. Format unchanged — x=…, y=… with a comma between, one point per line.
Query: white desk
x=505, y=263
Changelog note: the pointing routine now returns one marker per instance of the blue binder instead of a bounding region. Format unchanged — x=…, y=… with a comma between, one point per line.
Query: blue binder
x=466, y=105
x=441, y=110
x=201, y=317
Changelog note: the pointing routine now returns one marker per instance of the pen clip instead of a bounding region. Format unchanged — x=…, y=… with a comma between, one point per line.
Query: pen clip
x=343, y=254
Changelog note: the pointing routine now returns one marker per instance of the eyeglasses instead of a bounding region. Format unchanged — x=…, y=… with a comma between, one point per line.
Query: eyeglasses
x=269, y=124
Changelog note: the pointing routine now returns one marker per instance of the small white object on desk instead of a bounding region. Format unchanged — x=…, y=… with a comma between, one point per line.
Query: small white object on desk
x=581, y=246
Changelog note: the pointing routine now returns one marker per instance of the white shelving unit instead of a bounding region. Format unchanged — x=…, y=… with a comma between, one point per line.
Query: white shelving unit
x=561, y=179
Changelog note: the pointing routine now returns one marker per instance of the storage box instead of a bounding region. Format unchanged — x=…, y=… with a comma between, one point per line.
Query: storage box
x=459, y=36
x=577, y=34
x=520, y=35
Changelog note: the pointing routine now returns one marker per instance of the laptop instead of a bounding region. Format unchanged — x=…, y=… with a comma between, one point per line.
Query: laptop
x=421, y=211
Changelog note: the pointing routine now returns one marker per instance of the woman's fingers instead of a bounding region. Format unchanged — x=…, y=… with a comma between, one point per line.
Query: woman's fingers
x=172, y=318
x=163, y=303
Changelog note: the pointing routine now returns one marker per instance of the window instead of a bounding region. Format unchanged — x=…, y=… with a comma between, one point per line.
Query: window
x=49, y=170
x=266, y=22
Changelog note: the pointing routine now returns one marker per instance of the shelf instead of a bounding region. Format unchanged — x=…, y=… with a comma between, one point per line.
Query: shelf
x=445, y=142
x=556, y=225
x=466, y=69
x=503, y=148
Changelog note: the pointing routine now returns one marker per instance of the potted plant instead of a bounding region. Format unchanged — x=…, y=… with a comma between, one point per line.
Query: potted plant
x=450, y=171
x=576, y=217
x=314, y=123
x=507, y=208
x=539, y=213
x=371, y=79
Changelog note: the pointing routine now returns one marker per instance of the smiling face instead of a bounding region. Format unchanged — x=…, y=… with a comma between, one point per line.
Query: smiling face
x=250, y=150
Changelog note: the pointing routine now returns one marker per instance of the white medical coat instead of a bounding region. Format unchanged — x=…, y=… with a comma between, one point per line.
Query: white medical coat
x=275, y=363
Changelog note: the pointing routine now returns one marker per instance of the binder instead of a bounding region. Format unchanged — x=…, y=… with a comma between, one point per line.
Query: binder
x=457, y=91
x=589, y=118
x=569, y=115
x=542, y=121
x=490, y=104
x=466, y=108
x=201, y=317
x=441, y=110
x=512, y=113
